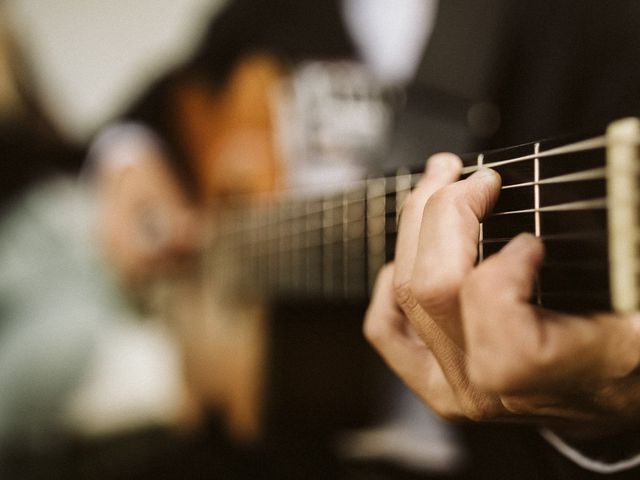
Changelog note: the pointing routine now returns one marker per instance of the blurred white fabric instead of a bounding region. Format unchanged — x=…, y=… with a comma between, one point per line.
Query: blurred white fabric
x=391, y=34
x=90, y=58
x=72, y=356
x=134, y=380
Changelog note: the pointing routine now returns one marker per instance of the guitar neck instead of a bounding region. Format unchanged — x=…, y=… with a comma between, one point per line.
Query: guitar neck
x=579, y=197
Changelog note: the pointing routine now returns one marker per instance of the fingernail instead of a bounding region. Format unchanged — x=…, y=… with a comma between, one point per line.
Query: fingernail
x=523, y=241
x=486, y=175
x=442, y=163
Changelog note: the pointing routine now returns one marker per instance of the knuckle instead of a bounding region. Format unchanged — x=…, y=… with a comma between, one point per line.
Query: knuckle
x=480, y=408
x=482, y=199
x=449, y=413
x=490, y=375
x=373, y=326
x=445, y=408
x=435, y=291
x=386, y=272
x=413, y=204
x=373, y=330
x=403, y=294
x=502, y=375
x=517, y=405
x=443, y=197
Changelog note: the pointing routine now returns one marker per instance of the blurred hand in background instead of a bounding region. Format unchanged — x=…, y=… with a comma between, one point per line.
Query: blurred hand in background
x=145, y=220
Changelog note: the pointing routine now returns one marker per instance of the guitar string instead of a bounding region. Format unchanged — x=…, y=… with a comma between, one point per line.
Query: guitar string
x=555, y=237
x=291, y=227
x=342, y=201
x=340, y=242
x=593, y=143
x=357, y=278
x=361, y=185
x=287, y=224
x=302, y=210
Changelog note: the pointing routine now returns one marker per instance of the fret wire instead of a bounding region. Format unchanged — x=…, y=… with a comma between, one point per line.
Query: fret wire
x=273, y=246
x=286, y=259
x=261, y=249
x=266, y=248
x=375, y=222
x=312, y=268
x=287, y=245
x=361, y=243
x=296, y=248
x=536, y=190
x=403, y=188
x=327, y=257
x=294, y=267
x=480, y=161
x=345, y=246
x=249, y=246
x=353, y=232
x=278, y=242
x=283, y=254
x=536, y=206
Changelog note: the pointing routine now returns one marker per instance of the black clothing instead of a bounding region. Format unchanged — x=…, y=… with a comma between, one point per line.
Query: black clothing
x=532, y=70
x=540, y=69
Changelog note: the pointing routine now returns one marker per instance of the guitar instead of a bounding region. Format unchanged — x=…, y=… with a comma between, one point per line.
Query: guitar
x=578, y=196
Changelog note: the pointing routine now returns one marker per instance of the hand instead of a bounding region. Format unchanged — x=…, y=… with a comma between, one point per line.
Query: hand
x=145, y=220
x=467, y=340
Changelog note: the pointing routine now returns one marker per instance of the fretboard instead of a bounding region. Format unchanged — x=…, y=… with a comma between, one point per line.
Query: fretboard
x=333, y=245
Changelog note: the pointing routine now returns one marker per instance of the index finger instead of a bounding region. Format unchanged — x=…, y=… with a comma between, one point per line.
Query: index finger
x=448, y=246
x=442, y=169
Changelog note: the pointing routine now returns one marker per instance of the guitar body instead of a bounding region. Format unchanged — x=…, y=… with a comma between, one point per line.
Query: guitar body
x=259, y=368
x=230, y=137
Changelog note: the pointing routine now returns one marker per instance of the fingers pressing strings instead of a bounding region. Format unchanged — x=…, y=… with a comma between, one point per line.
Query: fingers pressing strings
x=448, y=246
x=442, y=169
x=458, y=206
